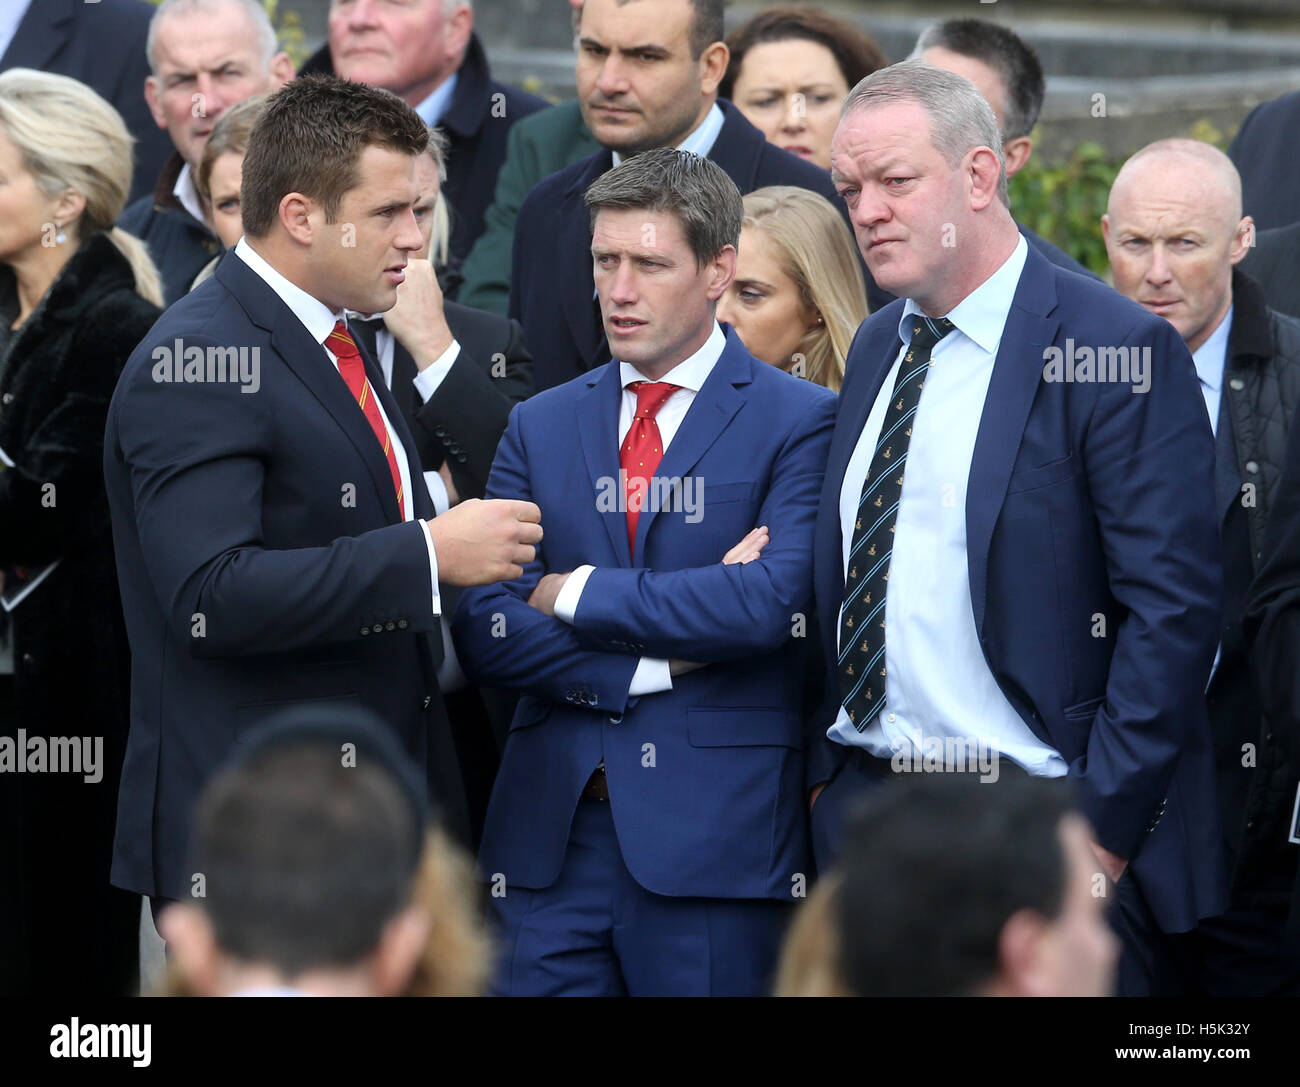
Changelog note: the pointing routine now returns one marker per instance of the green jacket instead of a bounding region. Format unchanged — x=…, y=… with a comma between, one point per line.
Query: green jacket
x=538, y=146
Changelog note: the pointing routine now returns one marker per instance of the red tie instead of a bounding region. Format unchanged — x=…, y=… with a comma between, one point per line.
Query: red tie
x=354, y=373
x=643, y=448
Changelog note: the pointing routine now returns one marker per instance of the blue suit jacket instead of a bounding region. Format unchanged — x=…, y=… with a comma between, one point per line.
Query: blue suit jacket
x=1084, y=500
x=551, y=284
x=705, y=780
x=262, y=561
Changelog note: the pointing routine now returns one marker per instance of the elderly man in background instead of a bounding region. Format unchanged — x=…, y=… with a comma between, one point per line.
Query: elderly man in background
x=205, y=56
x=1175, y=232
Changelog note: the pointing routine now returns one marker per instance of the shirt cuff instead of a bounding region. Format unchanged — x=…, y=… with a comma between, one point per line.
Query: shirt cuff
x=438, y=492
x=652, y=675
x=433, y=567
x=428, y=379
x=566, y=603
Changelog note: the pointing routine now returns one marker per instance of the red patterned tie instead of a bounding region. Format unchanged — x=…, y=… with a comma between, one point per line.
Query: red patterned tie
x=354, y=373
x=643, y=448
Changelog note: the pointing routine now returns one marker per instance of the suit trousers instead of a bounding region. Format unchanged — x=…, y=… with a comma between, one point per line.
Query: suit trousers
x=597, y=932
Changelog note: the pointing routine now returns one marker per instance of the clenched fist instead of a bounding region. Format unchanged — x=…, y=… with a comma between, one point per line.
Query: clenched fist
x=479, y=542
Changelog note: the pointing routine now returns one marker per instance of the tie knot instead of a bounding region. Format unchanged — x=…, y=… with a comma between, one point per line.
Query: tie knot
x=340, y=341
x=928, y=331
x=651, y=396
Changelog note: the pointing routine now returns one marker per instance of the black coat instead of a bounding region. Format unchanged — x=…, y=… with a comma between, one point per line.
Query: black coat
x=1264, y=153
x=551, y=286
x=70, y=650
x=102, y=45
x=1256, y=777
x=1274, y=261
x=476, y=124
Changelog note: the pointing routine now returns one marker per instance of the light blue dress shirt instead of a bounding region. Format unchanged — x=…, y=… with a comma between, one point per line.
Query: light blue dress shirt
x=939, y=689
x=1211, y=359
x=433, y=107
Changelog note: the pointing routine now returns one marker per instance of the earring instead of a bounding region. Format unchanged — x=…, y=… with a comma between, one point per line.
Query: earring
x=60, y=237
x=821, y=320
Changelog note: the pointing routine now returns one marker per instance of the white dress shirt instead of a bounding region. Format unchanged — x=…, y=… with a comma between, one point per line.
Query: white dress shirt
x=652, y=674
x=187, y=194
x=319, y=321
x=938, y=683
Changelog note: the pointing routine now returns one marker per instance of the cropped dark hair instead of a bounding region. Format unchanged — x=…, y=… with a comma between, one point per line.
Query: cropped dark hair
x=1007, y=54
x=705, y=200
x=305, y=859
x=854, y=50
x=933, y=869
x=707, y=26
x=309, y=139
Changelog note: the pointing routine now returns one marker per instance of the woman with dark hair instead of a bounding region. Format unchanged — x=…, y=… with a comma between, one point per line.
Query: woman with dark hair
x=791, y=69
x=76, y=295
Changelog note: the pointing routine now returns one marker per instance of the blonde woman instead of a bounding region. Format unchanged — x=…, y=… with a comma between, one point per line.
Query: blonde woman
x=76, y=295
x=798, y=296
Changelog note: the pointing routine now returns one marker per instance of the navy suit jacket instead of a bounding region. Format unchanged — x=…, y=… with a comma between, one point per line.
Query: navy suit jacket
x=551, y=284
x=1264, y=153
x=262, y=559
x=1084, y=500
x=705, y=780
x=103, y=46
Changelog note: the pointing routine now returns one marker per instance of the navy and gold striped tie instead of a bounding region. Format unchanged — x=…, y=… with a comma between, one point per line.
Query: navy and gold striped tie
x=862, y=615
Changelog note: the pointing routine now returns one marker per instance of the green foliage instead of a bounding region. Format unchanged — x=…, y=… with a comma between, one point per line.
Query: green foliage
x=288, y=29
x=1064, y=203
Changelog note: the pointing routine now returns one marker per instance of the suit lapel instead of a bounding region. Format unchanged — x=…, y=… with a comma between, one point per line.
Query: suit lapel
x=708, y=416
x=308, y=360
x=598, y=409
x=41, y=32
x=1017, y=371
x=1227, y=481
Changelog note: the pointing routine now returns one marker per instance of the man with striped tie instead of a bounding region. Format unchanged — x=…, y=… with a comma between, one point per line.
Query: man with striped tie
x=275, y=539
x=1016, y=559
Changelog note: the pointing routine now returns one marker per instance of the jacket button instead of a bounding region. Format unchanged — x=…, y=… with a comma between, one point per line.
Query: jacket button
x=460, y=457
x=1252, y=466
x=378, y=628
x=440, y=431
x=29, y=661
x=8, y=398
x=402, y=624
x=1236, y=384
x=428, y=701
x=390, y=625
x=365, y=631
x=615, y=719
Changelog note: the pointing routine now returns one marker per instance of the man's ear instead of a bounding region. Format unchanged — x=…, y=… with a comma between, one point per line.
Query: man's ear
x=1242, y=240
x=1105, y=230
x=1016, y=153
x=279, y=71
x=400, y=946
x=1023, y=966
x=295, y=212
x=722, y=270
x=984, y=172
x=153, y=99
x=713, y=66
x=192, y=943
x=457, y=31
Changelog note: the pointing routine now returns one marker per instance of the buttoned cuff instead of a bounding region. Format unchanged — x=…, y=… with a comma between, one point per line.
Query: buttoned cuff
x=428, y=379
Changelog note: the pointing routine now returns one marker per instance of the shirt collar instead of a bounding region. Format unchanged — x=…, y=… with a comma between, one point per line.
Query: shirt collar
x=187, y=194
x=317, y=318
x=690, y=373
x=1211, y=356
x=981, y=315
x=701, y=141
x=433, y=107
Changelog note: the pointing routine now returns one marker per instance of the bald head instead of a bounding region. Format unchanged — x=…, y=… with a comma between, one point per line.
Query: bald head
x=1174, y=229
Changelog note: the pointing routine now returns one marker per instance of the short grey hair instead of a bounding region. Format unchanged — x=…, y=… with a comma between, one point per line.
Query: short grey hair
x=960, y=118
x=704, y=199
x=437, y=150
x=266, y=41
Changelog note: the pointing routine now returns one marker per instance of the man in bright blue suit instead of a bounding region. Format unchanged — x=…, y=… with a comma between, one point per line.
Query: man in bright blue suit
x=1017, y=562
x=647, y=833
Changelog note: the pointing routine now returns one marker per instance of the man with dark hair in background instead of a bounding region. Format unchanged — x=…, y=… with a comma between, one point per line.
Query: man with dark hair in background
x=204, y=57
x=647, y=833
x=648, y=76
x=426, y=52
x=275, y=541
x=951, y=887
x=1007, y=73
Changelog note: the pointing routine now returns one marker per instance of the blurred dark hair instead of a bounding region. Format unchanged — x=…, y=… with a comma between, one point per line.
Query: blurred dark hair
x=309, y=139
x=932, y=869
x=854, y=50
x=1006, y=53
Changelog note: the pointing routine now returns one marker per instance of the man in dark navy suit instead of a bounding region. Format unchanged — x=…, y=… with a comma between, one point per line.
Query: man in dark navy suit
x=101, y=44
x=1017, y=559
x=648, y=76
x=426, y=52
x=275, y=541
x=647, y=834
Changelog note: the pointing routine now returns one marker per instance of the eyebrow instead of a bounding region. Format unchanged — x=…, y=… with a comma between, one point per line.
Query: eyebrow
x=657, y=50
x=750, y=281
